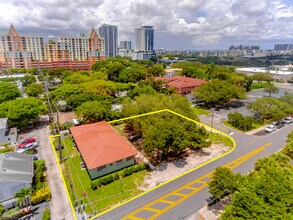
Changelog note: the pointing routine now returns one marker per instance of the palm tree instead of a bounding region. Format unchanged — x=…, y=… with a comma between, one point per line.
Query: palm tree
x=22, y=196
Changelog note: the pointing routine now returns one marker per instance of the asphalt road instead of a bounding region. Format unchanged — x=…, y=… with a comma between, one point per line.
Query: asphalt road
x=59, y=204
x=155, y=204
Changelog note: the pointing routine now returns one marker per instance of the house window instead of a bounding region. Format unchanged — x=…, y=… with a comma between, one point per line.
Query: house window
x=119, y=162
x=101, y=168
x=111, y=164
x=128, y=158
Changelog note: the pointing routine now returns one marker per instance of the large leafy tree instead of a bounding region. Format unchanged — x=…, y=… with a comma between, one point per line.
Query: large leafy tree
x=34, y=89
x=94, y=111
x=134, y=74
x=152, y=102
x=164, y=134
x=270, y=108
x=22, y=111
x=138, y=90
x=260, y=77
x=8, y=92
x=156, y=70
x=288, y=98
x=28, y=79
x=224, y=182
x=237, y=120
x=271, y=89
x=288, y=149
x=171, y=134
x=218, y=92
x=195, y=72
x=76, y=100
x=268, y=195
x=77, y=78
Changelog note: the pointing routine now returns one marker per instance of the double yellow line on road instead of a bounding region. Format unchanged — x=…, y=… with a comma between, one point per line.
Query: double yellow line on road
x=172, y=199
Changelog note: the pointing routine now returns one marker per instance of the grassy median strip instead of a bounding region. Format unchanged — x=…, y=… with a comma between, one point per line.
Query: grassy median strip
x=254, y=126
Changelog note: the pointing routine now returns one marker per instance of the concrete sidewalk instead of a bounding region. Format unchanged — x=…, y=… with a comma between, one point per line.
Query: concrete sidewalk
x=256, y=130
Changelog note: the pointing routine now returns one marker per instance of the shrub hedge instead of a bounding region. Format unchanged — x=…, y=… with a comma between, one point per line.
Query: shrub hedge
x=134, y=169
x=39, y=167
x=259, y=85
x=41, y=195
x=105, y=180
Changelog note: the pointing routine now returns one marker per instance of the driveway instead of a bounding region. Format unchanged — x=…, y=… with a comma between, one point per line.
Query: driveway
x=59, y=205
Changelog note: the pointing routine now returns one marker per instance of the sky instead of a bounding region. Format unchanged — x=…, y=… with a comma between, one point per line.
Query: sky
x=179, y=24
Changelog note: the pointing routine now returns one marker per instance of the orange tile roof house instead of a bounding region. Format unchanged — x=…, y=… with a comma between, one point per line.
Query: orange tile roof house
x=183, y=85
x=102, y=149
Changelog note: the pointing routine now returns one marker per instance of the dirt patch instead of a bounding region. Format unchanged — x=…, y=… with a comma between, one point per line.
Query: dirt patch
x=66, y=116
x=168, y=170
x=214, y=211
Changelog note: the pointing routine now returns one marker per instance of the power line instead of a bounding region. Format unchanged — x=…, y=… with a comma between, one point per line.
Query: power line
x=45, y=85
x=83, y=188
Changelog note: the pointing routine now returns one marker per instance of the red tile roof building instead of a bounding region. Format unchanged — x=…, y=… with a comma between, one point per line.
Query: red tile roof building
x=103, y=150
x=183, y=85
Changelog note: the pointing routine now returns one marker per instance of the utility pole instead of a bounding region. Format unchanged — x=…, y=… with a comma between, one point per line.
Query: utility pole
x=51, y=113
x=212, y=119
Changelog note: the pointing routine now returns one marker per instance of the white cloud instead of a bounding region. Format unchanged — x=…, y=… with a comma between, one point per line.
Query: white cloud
x=205, y=22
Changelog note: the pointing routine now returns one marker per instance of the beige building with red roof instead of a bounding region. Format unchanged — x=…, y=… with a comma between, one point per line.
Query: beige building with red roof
x=183, y=85
x=102, y=149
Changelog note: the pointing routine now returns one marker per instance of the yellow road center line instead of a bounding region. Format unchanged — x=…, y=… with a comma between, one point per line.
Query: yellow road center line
x=235, y=163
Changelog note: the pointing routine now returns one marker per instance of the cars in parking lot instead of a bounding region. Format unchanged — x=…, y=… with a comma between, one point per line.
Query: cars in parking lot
x=280, y=124
x=27, y=147
x=235, y=104
x=288, y=120
x=26, y=141
x=270, y=128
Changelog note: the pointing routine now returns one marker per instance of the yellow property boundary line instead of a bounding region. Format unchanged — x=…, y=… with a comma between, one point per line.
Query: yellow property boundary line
x=180, y=175
x=59, y=168
x=168, y=181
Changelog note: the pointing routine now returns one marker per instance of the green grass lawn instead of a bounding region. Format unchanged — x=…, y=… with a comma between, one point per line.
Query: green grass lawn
x=218, y=139
x=255, y=126
x=78, y=181
x=201, y=111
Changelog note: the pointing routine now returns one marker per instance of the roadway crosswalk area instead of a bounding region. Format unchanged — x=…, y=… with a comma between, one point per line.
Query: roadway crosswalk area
x=161, y=205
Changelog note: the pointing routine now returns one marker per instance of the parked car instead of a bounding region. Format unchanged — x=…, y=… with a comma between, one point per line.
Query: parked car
x=288, y=120
x=235, y=104
x=280, y=124
x=270, y=128
x=28, y=147
x=26, y=141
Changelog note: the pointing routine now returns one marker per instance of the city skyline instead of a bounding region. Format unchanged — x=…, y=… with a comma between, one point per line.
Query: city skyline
x=110, y=35
x=194, y=25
